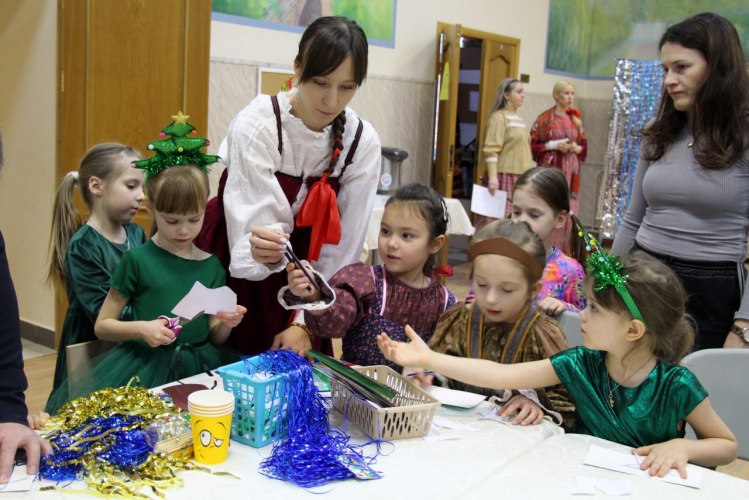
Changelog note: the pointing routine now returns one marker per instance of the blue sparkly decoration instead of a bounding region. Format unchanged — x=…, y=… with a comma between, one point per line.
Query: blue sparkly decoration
x=117, y=440
x=311, y=453
x=637, y=91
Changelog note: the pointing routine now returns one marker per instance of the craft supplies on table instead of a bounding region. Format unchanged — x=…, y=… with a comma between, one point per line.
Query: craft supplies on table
x=261, y=403
x=409, y=417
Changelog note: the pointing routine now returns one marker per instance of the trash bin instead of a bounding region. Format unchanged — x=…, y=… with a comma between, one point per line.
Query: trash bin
x=390, y=170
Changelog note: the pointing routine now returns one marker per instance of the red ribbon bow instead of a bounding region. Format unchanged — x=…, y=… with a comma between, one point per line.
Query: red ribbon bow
x=573, y=111
x=320, y=211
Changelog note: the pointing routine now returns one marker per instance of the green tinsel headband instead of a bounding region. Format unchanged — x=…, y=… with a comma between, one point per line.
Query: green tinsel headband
x=607, y=271
x=176, y=149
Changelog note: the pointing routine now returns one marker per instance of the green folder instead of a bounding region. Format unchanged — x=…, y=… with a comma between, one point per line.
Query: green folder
x=370, y=388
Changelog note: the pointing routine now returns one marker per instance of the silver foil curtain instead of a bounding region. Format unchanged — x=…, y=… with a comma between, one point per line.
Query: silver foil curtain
x=637, y=89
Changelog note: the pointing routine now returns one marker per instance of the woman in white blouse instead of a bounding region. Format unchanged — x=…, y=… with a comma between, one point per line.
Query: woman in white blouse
x=302, y=168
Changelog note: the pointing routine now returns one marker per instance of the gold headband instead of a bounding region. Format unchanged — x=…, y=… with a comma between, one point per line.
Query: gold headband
x=503, y=246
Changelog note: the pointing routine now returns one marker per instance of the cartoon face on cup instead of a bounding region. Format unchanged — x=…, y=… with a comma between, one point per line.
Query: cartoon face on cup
x=210, y=414
x=211, y=438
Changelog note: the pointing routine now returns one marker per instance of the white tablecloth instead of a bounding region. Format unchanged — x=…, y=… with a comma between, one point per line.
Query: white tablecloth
x=495, y=461
x=550, y=469
x=458, y=220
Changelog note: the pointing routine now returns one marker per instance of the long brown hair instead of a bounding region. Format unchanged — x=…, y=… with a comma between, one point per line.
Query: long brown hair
x=105, y=161
x=551, y=186
x=720, y=118
x=660, y=298
x=325, y=44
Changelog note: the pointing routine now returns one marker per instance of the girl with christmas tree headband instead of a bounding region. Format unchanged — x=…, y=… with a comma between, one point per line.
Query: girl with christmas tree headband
x=154, y=277
x=302, y=168
x=625, y=382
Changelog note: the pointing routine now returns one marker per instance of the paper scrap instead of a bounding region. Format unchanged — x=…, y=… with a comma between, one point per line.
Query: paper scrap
x=630, y=464
x=483, y=203
x=446, y=423
x=494, y=415
x=587, y=485
x=211, y=301
x=452, y=397
x=19, y=481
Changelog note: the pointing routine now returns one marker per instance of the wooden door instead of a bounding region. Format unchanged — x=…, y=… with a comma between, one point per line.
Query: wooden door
x=499, y=60
x=447, y=70
x=125, y=68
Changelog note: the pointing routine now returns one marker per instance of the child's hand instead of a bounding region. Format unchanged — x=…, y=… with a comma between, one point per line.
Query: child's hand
x=414, y=353
x=299, y=284
x=417, y=376
x=552, y=306
x=528, y=411
x=37, y=420
x=293, y=338
x=155, y=333
x=663, y=457
x=232, y=319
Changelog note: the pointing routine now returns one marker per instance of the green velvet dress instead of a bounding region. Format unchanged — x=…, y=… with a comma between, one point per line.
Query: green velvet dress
x=648, y=414
x=90, y=261
x=154, y=281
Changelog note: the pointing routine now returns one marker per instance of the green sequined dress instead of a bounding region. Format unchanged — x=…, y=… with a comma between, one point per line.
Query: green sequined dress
x=154, y=281
x=90, y=261
x=647, y=414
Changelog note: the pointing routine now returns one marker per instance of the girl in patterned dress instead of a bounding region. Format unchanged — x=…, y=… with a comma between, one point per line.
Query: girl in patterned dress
x=625, y=381
x=364, y=300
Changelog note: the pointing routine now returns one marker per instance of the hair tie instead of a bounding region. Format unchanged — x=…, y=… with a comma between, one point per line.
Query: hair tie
x=73, y=174
x=573, y=111
x=444, y=209
x=336, y=153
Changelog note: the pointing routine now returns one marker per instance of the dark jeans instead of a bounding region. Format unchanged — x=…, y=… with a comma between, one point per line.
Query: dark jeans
x=714, y=291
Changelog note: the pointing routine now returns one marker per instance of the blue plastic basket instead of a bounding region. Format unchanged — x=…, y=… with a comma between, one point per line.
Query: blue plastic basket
x=260, y=405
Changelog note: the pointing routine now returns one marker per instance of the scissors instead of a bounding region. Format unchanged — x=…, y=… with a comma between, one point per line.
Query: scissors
x=293, y=258
x=176, y=324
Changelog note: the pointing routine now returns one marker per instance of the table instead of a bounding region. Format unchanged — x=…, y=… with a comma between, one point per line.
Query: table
x=458, y=220
x=549, y=471
x=495, y=461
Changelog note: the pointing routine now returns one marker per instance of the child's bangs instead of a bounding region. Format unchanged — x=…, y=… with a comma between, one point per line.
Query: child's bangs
x=180, y=190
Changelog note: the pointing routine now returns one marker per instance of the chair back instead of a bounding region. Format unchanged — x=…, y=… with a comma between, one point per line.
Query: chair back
x=78, y=355
x=570, y=323
x=723, y=373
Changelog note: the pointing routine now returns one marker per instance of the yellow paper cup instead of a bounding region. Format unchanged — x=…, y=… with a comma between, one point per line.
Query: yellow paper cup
x=210, y=417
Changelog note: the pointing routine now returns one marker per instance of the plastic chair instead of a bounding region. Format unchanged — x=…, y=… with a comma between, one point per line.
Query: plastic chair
x=723, y=372
x=80, y=354
x=570, y=323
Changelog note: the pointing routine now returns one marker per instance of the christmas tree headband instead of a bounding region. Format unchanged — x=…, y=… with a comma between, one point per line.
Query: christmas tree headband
x=607, y=271
x=503, y=246
x=176, y=149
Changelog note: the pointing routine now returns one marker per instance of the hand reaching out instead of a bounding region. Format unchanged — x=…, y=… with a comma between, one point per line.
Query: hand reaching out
x=293, y=338
x=14, y=437
x=414, y=353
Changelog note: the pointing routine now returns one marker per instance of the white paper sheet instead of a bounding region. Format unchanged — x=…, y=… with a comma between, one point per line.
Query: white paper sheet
x=485, y=204
x=453, y=397
x=630, y=464
x=211, y=301
x=587, y=485
x=19, y=481
x=446, y=423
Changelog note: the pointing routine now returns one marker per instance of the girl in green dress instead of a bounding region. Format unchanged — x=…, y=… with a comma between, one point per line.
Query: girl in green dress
x=151, y=280
x=625, y=382
x=84, y=256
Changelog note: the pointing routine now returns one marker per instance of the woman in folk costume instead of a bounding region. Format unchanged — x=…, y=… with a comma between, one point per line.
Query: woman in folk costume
x=302, y=169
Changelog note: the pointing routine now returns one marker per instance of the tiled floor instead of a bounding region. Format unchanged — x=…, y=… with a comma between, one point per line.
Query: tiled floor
x=32, y=350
